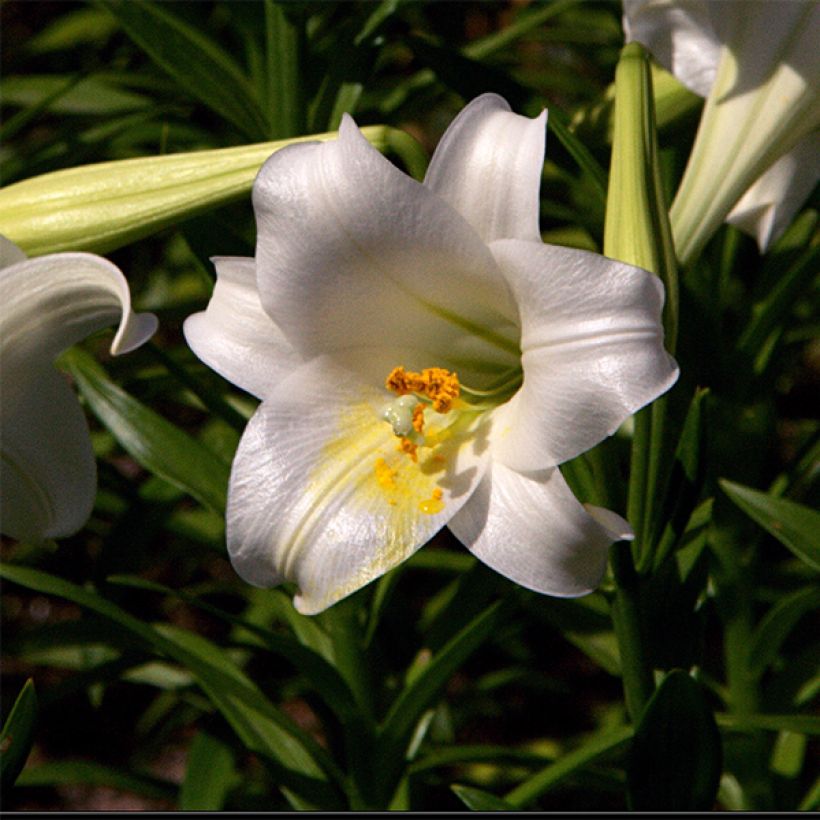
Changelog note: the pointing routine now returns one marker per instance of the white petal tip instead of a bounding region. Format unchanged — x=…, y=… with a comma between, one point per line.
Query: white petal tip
x=617, y=528
x=137, y=329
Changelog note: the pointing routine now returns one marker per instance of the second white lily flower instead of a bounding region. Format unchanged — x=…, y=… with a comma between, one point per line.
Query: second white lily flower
x=49, y=475
x=423, y=360
x=757, y=153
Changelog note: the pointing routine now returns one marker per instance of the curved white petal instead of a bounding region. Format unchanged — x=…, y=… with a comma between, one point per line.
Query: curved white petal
x=354, y=257
x=48, y=304
x=534, y=531
x=235, y=336
x=488, y=167
x=321, y=495
x=49, y=476
x=593, y=352
x=681, y=36
x=762, y=104
x=9, y=252
x=51, y=302
x=767, y=208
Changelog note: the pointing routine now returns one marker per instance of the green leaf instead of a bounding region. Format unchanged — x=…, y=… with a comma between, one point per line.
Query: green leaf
x=17, y=736
x=812, y=799
x=685, y=481
x=153, y=442
x=284, y=42
x=421, y=692
x=592, y=749
x=775, y=627
x=85, y=25
x=88, y=772
x=557, y=124
x=195, y=61
x=67, y=94
x=298, y=761
x=675, y=760
x=792, y=524
x=479, y=800
x=804, y=724
x=323, y=677
x=209, y=775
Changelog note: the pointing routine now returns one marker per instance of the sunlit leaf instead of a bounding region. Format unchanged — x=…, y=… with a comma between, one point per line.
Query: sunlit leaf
x=199, y=65
x=479, y=800
x=793, y=525
x=209, y=775
x=155, y=443
x=17, y=735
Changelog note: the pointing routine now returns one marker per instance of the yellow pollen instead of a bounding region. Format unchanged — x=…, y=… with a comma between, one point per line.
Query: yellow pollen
x=439, y=385
x=407, y=446
x=418, y=418
x=434, y=504
x=385, y=475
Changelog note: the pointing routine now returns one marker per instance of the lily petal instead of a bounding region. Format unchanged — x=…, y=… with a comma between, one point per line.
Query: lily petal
x=49, y=303
x=321, y=495
x=488, y=167
x=757, y=66
x=593, y=353
x=235, y=336
x=49, y=476
x=354, y=257
x=767, y=208
x=9, y=253
x=533, y=530
x=681, y=37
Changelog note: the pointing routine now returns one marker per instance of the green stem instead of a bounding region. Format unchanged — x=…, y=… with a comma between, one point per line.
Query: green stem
x=636, y=670
x=638, y=472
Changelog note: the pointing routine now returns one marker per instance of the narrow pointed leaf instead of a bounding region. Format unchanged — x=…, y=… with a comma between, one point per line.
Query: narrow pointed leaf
x=209, y=775
x=776, y=626
x=298, y=761
x=91, y=773
x=427, y=685
x=675, y=760
x=18, y=735
x=323, y=677
x=479, y=800
x=541, y=782
x=686, y=478
x=793, y=525
x=195, y=61
x=155, y=443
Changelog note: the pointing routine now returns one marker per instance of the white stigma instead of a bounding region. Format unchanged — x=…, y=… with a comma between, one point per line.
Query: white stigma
x=399, y=413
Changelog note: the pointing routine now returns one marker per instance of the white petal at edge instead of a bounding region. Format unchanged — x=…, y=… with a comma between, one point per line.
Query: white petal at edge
x=353, y=255
x=49, y=475
x=681, y=37
x=308, y=503
x=534, y=531
x=10, y=254
x=234, y=335
x=51, y=302
x=488, y=167
x=767, y=208
x=593, y=351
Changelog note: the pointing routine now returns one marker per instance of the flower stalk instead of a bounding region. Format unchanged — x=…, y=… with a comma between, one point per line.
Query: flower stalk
x=637, y=231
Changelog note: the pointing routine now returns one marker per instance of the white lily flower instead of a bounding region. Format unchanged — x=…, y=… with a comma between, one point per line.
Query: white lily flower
x=423, y=360
x=757, y=153
x=49, y=303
